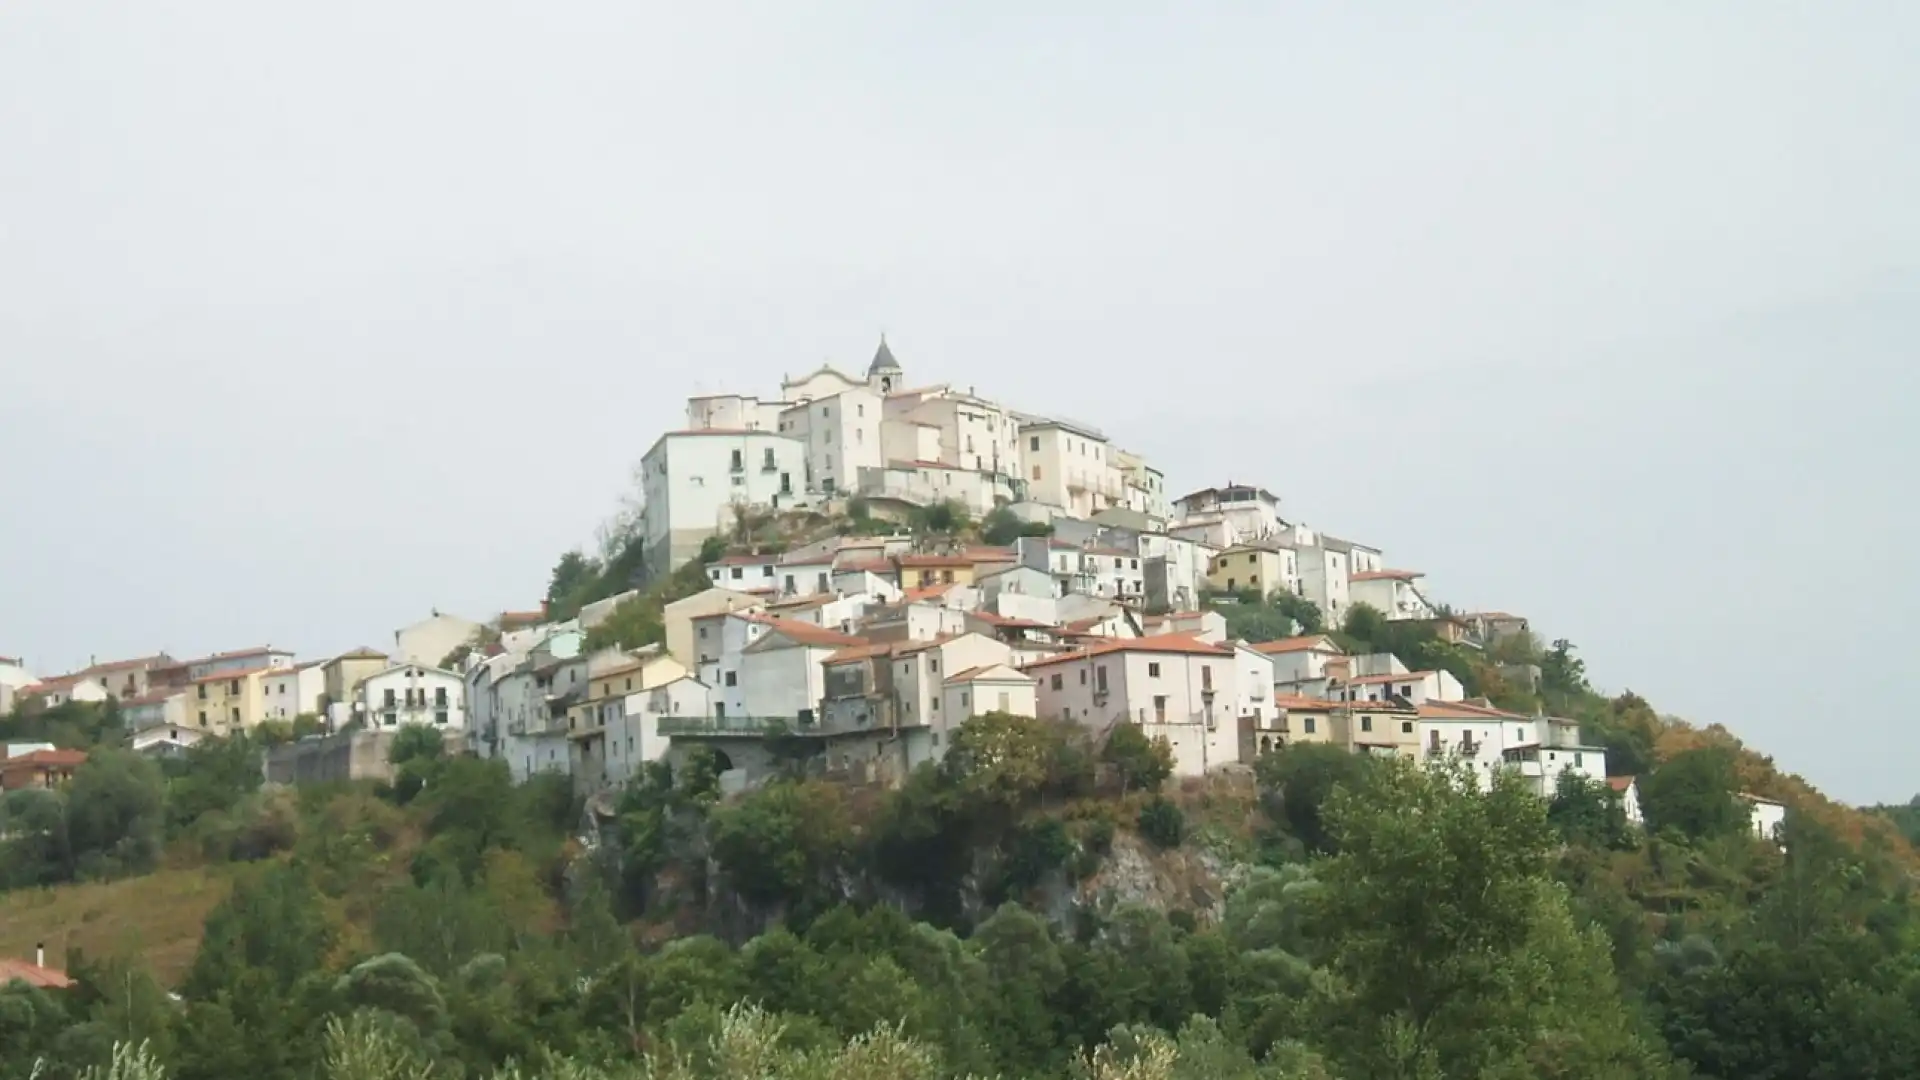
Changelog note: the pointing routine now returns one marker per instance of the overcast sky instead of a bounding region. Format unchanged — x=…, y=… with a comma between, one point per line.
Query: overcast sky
x=316, y=317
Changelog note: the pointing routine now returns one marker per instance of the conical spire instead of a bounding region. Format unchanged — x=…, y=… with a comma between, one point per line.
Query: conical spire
x=883, y=359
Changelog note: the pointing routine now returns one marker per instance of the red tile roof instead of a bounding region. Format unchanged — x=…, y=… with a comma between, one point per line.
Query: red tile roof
x=745, y=560
x=33, y=975
x=886, y=648
x=1299, y=701
x=975, y=672
x=1302, y=643
x=1460, y=710
x=224, y=676
x=1370, y=680
x=121, y=665
x=1159, y=644
x=805, y=633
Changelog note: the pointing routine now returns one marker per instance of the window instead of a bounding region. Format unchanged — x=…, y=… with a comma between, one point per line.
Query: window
x=1055, y=683
x=732, y=679
x=1153, y=671
x=1160, y=708
x=1306, y=725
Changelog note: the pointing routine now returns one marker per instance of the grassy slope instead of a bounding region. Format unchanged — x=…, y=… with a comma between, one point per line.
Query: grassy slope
x=159, y=916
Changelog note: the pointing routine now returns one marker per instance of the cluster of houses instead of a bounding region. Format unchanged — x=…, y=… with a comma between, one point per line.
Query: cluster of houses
x=860, y=655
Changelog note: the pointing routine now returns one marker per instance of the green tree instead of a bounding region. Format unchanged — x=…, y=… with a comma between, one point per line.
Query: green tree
x=573, y=576
x=1142, y=762
x=116, y=814
x=1696, y=792
x=1449, y=950
x=1299, y=779
x=782, y=843
x=1587, y=812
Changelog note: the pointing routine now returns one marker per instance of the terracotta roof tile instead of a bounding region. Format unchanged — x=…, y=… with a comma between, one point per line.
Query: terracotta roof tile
x=1386, y=575
x=224, y=676
x=33, y=975
x=805, y=633
x=1302, y=643
x=1161, y=643
x=974, y=672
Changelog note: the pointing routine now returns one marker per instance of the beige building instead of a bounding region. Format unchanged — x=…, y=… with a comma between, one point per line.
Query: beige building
x=341, y=678
x=678, y=618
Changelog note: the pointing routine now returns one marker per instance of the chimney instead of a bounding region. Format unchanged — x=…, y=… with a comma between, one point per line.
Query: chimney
x=40, y=955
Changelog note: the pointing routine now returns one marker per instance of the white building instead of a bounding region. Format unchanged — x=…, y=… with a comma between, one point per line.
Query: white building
x=1173, y=570
x=430, y=640
x=745, y=573
x=413, y=694
x=1768, y=817
x=1539, y=748
x=693, y=481
x=965, y=431
x=1070, y=466
x=164, y=740
x=292, y=692
x=1304, y=658
x=1174, y=687
x=1385, y=678
x=1396, y=594
x=1249, y=513
x=733, y=412
x=841, y=434
x=633, y=734
x=780, y=670
x=926, y=482
x=989, y=688
x=154, y=709
x=14, y=677
x=1144, y=485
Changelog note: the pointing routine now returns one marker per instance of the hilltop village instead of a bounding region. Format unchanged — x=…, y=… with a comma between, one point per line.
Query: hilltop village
x=834, y=578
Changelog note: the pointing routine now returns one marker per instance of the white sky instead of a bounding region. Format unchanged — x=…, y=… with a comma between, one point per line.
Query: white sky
x=313, y=318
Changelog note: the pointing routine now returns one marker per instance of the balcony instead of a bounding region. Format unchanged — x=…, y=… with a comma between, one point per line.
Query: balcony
x=753, y=727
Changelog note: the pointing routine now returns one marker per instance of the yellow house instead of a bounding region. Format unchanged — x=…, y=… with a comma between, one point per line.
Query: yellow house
x=228, y=701
x=1237, y=569
x=924, y=571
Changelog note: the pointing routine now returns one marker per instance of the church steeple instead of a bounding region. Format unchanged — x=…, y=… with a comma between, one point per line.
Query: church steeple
x=884, y=374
